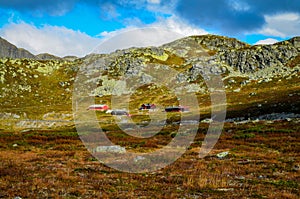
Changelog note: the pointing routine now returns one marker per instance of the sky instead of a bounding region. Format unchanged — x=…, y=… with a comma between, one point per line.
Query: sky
x=80, y=27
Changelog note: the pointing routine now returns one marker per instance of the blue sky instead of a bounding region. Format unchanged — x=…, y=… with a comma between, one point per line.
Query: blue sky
x=77, y=27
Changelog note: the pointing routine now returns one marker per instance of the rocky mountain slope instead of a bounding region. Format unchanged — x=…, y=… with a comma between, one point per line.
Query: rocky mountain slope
x=8, y=50
x=258, y=80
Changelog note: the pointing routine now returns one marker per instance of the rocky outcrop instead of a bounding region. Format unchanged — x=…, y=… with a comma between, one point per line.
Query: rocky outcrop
x=251, y=59
x=198, y=57
x=11, y=51
x=219, y=43
x=8, y=50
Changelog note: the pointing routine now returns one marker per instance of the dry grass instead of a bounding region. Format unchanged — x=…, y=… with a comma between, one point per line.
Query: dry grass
x=263, y=161
x=47, y=164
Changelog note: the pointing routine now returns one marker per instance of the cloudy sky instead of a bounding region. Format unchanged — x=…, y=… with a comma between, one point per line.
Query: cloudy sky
x=77, y=27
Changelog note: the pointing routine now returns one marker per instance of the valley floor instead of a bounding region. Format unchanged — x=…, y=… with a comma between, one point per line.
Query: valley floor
x=263, y=162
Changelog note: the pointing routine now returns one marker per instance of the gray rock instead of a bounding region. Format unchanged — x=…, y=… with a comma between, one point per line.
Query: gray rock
x=111, y=149
x=222, y=154
x=139, y=158
x=237, y=90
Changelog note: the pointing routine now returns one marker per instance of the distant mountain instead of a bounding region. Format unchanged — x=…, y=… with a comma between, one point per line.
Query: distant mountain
x=45, y=56
x=11, y=51
x=70, y=58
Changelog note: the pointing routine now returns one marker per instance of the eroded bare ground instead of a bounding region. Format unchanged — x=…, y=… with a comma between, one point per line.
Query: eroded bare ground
x=263, y=162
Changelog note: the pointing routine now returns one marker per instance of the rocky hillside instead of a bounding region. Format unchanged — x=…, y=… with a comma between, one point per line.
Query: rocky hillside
x=197, y=58
x=8, y=50
x=258, y=80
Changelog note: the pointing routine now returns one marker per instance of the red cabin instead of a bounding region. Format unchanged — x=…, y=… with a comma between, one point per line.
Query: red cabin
x=98, y=107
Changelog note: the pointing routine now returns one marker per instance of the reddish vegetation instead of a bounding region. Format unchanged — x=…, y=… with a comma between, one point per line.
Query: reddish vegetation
x=263, y=162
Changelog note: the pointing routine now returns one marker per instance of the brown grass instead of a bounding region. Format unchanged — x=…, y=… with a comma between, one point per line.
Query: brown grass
x=56, y=165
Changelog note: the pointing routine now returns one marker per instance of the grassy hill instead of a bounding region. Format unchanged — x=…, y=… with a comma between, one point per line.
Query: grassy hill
x=258, y=80
x=43, y=156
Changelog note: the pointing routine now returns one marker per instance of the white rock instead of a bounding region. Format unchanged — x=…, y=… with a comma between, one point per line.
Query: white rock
x=113, y=149
x=139, y=158
x=237, y=90
x=222, y=154
x=206, y=120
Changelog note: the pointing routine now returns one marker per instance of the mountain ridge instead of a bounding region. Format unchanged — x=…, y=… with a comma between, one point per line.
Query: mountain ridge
x=9, y=50
x=258, y=79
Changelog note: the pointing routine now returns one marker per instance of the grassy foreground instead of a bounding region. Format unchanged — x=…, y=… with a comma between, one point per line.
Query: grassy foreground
x=263, y=162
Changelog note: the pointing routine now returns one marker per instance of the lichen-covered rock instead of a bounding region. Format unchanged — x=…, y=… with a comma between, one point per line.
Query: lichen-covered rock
x=57, y=116
x=249, y=60
x=45, y=87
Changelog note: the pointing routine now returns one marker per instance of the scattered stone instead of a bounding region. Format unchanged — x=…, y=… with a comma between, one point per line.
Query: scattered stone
x=41, y=124
x=296, y=168
x=278, y=116
x=247, y=161
x=240, y=177
x=16, y=116
x=225, y=189
x=57, y=116
x=62, y=84
x=139, y=158
x=255, y=121
x=111, y=149
x=244, y=83
x=231, y=81
x=26, y=130
x=206, y=120
x=9, y=116
x=261, y=177
x=237, y=90
x=222, y=154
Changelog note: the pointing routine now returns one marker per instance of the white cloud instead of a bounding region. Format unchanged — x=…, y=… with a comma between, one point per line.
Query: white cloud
x=239, y=5
x=108, y=11
x=282, y=25
x=135, y=37
x=154, y=1
x=61, y=41
x=55, y=40
x=159, y=33
x=178, y=25
x=283, y=17
x=166, y=7
x=266, y=41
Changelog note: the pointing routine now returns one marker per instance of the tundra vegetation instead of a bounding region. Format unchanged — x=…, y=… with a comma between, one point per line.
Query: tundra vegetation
x=42, y=156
